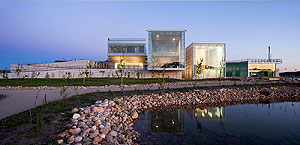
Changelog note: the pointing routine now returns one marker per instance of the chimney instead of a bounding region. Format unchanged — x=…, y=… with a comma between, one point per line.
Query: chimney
x=269, y=53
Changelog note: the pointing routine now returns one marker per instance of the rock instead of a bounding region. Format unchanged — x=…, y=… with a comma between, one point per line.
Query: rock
x=105, y=130
x=98, y=109
x=113, y=133
x=64, y=134
x=97, y=140
x=75, y=131
x=71, y=139
x=60, y=141
x=94, y=128
x=76, y=115
x=74, y=110
x=134, y=115
x=102, y=135
x=78, y=138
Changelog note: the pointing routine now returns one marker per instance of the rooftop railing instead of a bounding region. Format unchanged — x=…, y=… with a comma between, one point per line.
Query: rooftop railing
x=256, y=61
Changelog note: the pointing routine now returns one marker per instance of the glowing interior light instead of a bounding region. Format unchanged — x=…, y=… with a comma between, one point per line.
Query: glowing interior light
x=157, y=35
x=173, y=39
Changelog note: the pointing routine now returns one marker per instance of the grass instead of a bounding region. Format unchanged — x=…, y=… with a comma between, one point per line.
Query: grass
x=27, y=82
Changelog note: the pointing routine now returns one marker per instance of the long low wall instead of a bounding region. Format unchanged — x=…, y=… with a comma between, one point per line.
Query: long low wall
x=95, y=73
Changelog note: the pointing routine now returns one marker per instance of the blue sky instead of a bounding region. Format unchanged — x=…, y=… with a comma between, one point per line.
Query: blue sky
x=33, y=31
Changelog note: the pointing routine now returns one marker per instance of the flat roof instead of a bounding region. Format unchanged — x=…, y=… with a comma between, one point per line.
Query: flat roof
x=126, y=39
x=257, y=61
x=169, y=30
x=209, y=42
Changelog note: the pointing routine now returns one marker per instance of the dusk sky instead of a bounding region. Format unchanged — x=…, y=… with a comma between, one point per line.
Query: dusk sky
x=40, y=31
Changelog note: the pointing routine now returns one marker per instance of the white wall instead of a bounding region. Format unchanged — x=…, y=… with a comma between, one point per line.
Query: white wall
x=96, y=73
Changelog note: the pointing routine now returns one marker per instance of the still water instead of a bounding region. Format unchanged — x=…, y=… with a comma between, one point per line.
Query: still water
x=277, y=123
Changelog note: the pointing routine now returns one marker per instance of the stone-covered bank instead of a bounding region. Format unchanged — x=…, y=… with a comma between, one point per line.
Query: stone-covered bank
x=111, y=121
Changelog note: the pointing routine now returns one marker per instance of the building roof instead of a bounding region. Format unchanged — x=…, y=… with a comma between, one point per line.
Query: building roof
x=126, y=39
x=277, y=61
x=171, y=30
x=209, y=42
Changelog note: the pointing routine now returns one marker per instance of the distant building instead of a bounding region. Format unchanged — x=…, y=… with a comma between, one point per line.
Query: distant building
x=210, y=55
x=131, y=50
x=253, y=68
x=290, y=74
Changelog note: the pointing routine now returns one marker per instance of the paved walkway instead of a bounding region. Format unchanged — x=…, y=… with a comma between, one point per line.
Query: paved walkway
x=17, y=101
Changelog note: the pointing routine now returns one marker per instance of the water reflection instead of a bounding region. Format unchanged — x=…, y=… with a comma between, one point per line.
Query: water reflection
x=209, y=113
x=172, y=121
x=240, y=124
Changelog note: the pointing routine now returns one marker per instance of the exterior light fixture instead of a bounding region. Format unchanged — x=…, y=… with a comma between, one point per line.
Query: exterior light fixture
x=173, y=39
x=157, y=35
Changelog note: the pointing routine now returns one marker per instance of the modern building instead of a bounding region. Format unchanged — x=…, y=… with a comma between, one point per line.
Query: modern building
x=166, y=50
x=253, y=68
x=163, y=54
x=132, y=51
x=205, y=60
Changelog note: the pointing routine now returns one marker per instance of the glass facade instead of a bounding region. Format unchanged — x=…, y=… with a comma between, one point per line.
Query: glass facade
x=212, y=55
x=130, y=50
x=250, y=69
x=262, y=70
x=166, y=50
x=239, y=69
x=126, y=48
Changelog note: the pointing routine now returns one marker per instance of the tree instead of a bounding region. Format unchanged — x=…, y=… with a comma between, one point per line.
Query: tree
x=121, y=70
x=84, y=75
x=160, y=76
x=199, y=67
x=19, y=68
x=221, y=68
x=47, y=76
x=4, y=74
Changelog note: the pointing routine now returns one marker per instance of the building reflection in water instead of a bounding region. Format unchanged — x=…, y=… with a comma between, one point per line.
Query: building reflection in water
x=208, y=113
x=172, y=121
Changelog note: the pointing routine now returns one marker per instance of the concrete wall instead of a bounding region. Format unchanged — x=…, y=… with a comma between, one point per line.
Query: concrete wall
x=96, y=73
x=80, y=64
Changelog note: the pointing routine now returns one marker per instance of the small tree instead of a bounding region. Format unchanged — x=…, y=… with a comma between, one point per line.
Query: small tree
x=199, y=68
x=84, y=74
x=47, y=76
x=121, y=70
x=19, y=68
x=160, y=76
x=34, y=75
x=222, y=65
x=4, y=74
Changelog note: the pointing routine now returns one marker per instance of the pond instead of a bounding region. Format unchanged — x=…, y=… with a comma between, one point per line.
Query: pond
x=277, y=123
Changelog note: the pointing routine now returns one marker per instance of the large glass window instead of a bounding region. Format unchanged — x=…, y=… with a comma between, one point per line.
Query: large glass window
x=166, y=49
x=239, y=69
x=126, y=48
x=212, y=55
x=262, y=70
